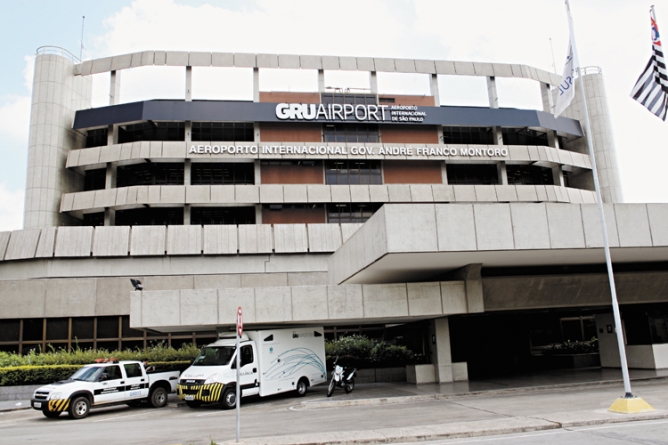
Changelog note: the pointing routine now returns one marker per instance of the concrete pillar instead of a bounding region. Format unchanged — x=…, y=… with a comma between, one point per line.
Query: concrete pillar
x=258, y=213
x=186, y=215
x=373, y=82
x=189, y=83
x=256, y=132
x=189, y=131
x=433, y=86
x=472, y=278
x=502, y=173
x=187, y=172
x=444, y=172
x=497, y=137
x=115, y=88
x=110, y=177
x=256, y=85
x=257, y=172
x=109, y=217
x=321, y=81
x=558, y=176
x=56, y=93
x=440, y=350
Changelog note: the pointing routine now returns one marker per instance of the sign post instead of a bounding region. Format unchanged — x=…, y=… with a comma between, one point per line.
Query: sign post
x=240, y=331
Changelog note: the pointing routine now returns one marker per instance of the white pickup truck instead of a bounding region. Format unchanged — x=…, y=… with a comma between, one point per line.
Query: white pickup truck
x=104, y=384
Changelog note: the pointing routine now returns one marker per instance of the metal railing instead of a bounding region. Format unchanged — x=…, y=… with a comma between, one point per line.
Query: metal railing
x=591, y=70
x=58, y=51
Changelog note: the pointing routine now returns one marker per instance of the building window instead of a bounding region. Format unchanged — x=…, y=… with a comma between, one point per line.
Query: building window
x=150, y=216
x=152, y=131
x=352, y=172
x=222, y=173
x=95, y=179
x=149, y=173
x=350, y=213
x=93, y=219
x=222, y=131
x=222, y=215
x=96, y=138
x=529, y=175
x=523, y=136
x=468, y=135
x=350, y=133
x=348, y=98
x=468, y=174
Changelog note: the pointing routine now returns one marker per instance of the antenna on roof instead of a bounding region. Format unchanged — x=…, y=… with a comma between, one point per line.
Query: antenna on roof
x=554, y=65
x=83, y=21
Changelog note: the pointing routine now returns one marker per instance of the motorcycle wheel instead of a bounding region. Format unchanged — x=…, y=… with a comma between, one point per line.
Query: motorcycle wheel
x=330, y=388
x=350, y=385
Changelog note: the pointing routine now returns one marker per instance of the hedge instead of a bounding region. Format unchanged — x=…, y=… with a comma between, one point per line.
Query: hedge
x=362, y=352
x=35, y=375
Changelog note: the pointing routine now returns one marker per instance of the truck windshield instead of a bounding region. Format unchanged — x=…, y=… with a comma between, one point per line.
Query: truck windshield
x=88, y=374
x=214, y=356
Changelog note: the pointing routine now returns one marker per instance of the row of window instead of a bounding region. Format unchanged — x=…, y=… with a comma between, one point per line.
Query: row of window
x=111, y=333
x=334, y=132
x=335, y=172
x=171, y=216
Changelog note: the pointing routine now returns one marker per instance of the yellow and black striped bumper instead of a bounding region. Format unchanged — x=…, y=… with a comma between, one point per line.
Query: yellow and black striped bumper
x=53, y=406
x=207, y=393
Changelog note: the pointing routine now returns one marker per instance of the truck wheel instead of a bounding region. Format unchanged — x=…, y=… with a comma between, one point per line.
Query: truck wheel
x=302, y=388
x=50, y=414
x=195, y=404
x=158, y=397
x=350, y=385
x=330, y=388
x=229, y=399
x=79, y=408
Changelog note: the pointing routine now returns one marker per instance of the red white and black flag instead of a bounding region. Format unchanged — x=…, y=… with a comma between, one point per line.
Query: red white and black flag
x=651, y=89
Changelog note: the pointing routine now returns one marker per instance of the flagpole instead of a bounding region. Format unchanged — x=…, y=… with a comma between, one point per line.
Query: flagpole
x=606, y=245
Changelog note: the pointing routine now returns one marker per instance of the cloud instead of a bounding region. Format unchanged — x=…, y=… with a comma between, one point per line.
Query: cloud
x=11, y=211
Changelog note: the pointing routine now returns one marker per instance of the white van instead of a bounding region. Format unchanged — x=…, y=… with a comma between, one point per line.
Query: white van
x=272, y=361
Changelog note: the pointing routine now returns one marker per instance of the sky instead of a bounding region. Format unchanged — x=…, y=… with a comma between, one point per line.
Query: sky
x=611, y=34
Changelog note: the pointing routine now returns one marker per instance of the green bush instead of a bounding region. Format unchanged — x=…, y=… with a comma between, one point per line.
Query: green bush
x=362, y=352
x=574, y=347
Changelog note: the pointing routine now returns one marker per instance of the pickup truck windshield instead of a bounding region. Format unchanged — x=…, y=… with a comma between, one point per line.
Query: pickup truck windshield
x=214, y=356
x=88, y=374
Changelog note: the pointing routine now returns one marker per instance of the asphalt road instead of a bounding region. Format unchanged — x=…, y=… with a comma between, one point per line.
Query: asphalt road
x=314, y=415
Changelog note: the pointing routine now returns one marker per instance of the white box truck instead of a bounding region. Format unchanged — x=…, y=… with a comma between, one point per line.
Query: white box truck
x=272, y=361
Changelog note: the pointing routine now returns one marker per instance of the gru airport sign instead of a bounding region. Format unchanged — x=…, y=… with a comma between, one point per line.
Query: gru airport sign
x=349, y=112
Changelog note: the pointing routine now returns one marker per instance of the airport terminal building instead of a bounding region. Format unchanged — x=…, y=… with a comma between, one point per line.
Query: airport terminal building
x=469, y=234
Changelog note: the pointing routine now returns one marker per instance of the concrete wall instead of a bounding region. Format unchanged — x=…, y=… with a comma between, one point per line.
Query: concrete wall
x=56, y=94
x=204, y=308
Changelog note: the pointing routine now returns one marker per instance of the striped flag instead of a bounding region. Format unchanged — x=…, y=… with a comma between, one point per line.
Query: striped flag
x=651, y=89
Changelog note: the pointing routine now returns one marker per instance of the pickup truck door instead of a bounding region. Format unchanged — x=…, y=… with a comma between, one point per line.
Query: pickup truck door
x=248, y=372
x=136, y=382
x=110, y=386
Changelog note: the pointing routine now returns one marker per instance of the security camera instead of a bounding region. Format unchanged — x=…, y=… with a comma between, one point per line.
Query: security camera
x=137, y=284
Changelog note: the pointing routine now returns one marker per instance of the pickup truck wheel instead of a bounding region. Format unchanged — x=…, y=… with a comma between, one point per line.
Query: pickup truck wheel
x=158, y=397
x=229, y=399
x=194, y=404
x=50, y=415
x=302, y=388
x=79, y=408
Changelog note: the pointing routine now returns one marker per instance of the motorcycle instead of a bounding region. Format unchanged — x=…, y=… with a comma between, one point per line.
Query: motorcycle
x=342, y=377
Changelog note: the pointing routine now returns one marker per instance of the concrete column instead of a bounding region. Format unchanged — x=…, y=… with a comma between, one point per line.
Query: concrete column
x=502, y=173
x=444, y=172
x=256, y=132
x=187, y=172
x=373, y=82
x=257, y=172
x=189, y=83
x=440, y=349
x=186, y=215
x=110, y=178
x=258, y=213
x=433, y=86
x=109, y=217
x=558, y=176
x=115, y=88
x=472, y=278
x=56, y=93
x=548, y=107
x=189, y=131
x=497, y=137
x=321, y=81
x=256, y=85
x=112, y=135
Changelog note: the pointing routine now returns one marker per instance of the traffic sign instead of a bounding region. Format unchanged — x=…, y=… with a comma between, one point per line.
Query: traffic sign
x=240, y=323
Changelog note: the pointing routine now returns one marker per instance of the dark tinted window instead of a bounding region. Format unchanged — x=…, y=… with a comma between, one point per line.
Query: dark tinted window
x=523, y=136
x=352, y=172
x=222, y=215
x=150, y=173
x=152, y=131
x=222, y=131
x=529, y=175
x=350, y=133
x=133, y=370
x=154, y=216
x=350, y=213
x=96, y=138
x=472, y=174
x=93, y=219
x=348, y=98
x=95, y=179
x=222, y=173
x=467, y=135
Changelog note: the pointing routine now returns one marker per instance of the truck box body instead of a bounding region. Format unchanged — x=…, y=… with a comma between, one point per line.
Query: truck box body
x=272, y=361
